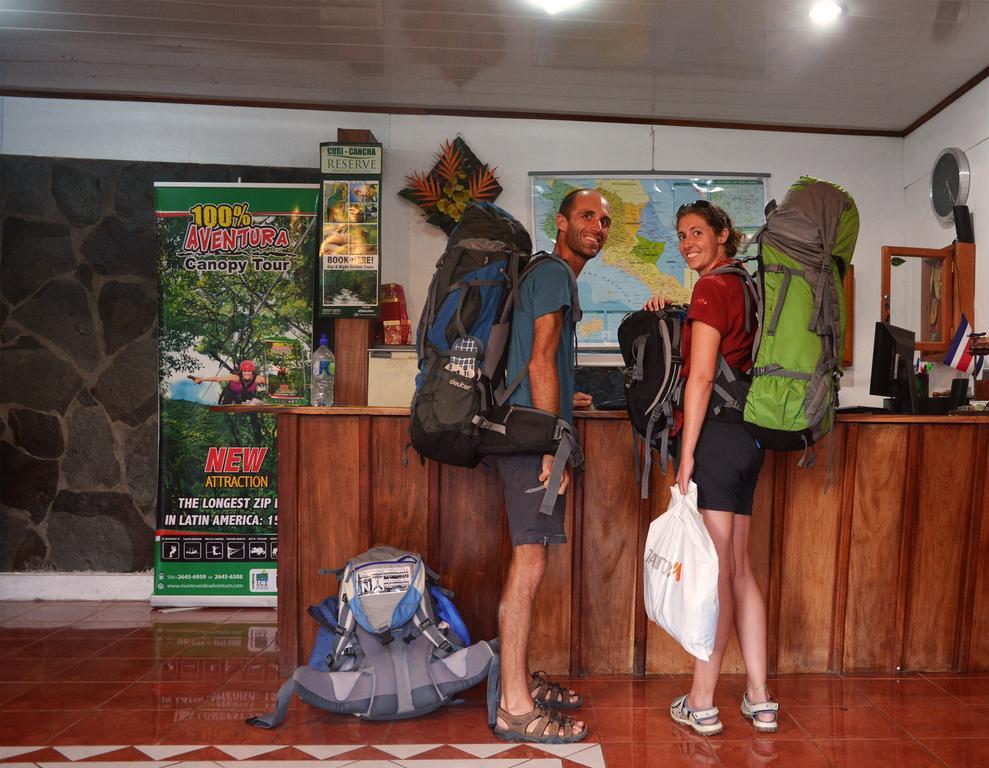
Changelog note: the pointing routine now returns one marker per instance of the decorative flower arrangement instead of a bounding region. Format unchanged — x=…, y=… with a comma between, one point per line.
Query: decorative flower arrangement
x=456, y=180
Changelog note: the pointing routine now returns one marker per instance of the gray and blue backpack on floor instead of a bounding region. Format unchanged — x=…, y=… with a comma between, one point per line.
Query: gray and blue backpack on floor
x=390, y=646
x=460, y=412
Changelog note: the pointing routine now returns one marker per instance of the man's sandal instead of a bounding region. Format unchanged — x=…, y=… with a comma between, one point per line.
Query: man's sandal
x=545, y=691
x=694, y=718
x=752, y=711
x=540, y=725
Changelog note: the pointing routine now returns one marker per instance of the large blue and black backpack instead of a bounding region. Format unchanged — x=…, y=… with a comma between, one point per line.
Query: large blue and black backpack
x=460, y=411
x=390, y=646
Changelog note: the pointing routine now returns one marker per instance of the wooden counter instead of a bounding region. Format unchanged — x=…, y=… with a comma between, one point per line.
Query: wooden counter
x=888, y=570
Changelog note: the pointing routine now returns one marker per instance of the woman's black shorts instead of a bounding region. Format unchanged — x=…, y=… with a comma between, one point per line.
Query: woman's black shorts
x=727, y=461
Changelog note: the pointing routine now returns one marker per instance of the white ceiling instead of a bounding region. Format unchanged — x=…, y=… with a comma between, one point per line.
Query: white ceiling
x=878, y=68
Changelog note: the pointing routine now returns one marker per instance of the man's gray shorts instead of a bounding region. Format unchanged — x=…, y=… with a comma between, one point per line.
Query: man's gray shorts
x=523, y=495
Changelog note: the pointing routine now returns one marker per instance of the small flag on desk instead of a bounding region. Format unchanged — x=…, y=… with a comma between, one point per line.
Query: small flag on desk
x=958, y=355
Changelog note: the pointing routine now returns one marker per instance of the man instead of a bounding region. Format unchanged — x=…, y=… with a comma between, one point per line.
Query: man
x=543, y=342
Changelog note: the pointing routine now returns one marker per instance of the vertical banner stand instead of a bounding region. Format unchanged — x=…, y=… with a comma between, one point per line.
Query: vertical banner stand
x=235, y=280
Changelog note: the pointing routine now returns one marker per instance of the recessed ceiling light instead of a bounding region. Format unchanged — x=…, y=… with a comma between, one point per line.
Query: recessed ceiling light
x=553, y=7
x=825, y=12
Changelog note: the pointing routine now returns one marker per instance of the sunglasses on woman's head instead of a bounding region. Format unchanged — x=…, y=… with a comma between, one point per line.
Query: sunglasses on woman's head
x=720, y=218
x=695, y=204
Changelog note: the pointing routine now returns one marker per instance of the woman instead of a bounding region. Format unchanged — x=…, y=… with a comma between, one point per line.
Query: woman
x=239, y=388
x=723, y=459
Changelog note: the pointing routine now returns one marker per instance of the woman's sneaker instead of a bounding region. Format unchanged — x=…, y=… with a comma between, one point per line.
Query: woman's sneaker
x=703, y=721
x=752, y=712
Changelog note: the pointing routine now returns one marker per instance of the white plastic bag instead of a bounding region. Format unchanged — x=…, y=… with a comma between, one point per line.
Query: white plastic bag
x=681, y=575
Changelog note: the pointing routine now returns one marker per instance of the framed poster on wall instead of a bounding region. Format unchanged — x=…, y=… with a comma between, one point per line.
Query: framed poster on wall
x=350, y=242
x=641, y=257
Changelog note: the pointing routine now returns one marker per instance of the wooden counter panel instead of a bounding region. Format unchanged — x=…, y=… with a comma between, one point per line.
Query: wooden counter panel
x=975, y=639
x=611, y=559
x=663, y=654
x=329, y=508
x=550, y=639
x=470, y=558
x=352, y=337
x=760, y=555
x=807, y=571
x=937, y=562
x=875, y=539
x=400, y=507
x=289, y=581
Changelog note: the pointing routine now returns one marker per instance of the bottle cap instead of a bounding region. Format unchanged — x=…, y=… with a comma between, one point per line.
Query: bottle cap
x=322, y=340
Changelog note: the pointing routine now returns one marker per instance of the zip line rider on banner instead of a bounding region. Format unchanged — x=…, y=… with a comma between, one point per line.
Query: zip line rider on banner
x=241, y=387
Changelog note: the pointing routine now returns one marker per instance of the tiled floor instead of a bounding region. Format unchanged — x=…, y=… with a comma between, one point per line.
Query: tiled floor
x=124, y=686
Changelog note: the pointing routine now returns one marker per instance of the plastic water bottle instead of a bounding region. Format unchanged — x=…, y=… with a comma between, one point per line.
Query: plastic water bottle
x=323, y=373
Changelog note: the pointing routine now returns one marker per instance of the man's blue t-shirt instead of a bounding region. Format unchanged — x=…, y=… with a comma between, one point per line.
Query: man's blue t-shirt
x=544, y=291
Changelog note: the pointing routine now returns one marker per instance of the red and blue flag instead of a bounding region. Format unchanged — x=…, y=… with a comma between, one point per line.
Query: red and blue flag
x=958, y=355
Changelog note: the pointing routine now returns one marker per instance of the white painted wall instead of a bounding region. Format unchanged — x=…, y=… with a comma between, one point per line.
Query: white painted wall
x=964, y=124
x=870, y=168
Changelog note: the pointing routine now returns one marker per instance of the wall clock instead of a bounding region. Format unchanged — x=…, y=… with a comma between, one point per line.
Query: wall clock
x=950, y=178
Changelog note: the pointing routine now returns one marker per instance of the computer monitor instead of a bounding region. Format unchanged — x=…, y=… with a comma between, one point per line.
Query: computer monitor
x=892, y=367
x=604, y=383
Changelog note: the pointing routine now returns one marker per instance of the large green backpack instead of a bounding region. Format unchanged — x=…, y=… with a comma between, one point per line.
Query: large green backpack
x=804, y=251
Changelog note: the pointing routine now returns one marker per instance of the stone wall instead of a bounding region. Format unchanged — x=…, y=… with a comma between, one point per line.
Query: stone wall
x=79, y=358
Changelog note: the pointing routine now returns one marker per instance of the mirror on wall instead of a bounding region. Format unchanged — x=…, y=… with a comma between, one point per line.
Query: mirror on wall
x=917, y=294
x=926, y=290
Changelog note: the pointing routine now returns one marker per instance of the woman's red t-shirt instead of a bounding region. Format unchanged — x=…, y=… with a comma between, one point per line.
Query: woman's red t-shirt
x=719, y=301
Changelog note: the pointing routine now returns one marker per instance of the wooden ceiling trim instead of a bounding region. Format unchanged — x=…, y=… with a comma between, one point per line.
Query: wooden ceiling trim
x=947, y=101
x=451, y=112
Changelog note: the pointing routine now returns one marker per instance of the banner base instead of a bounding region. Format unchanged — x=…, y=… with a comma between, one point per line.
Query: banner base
x=212, y=601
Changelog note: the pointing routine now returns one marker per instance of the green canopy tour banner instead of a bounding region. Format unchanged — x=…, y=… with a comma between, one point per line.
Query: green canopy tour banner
x=235, y=272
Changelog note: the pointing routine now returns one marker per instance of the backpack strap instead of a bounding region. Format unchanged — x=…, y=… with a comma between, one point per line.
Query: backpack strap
x=664, y=441
x=637, y=371
x=647, y=464
x=779, y=370
x=724, y=382
x=760, y=290
x=635, y=452
x=805, y=459
x=544, y=257
x=537, y=260
x=788, y=273
x=502, y=398
x=275, y=718
x=750, y=292
x=428, y=313
x=426, y=626
x=569, y=450
x=345, y=631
